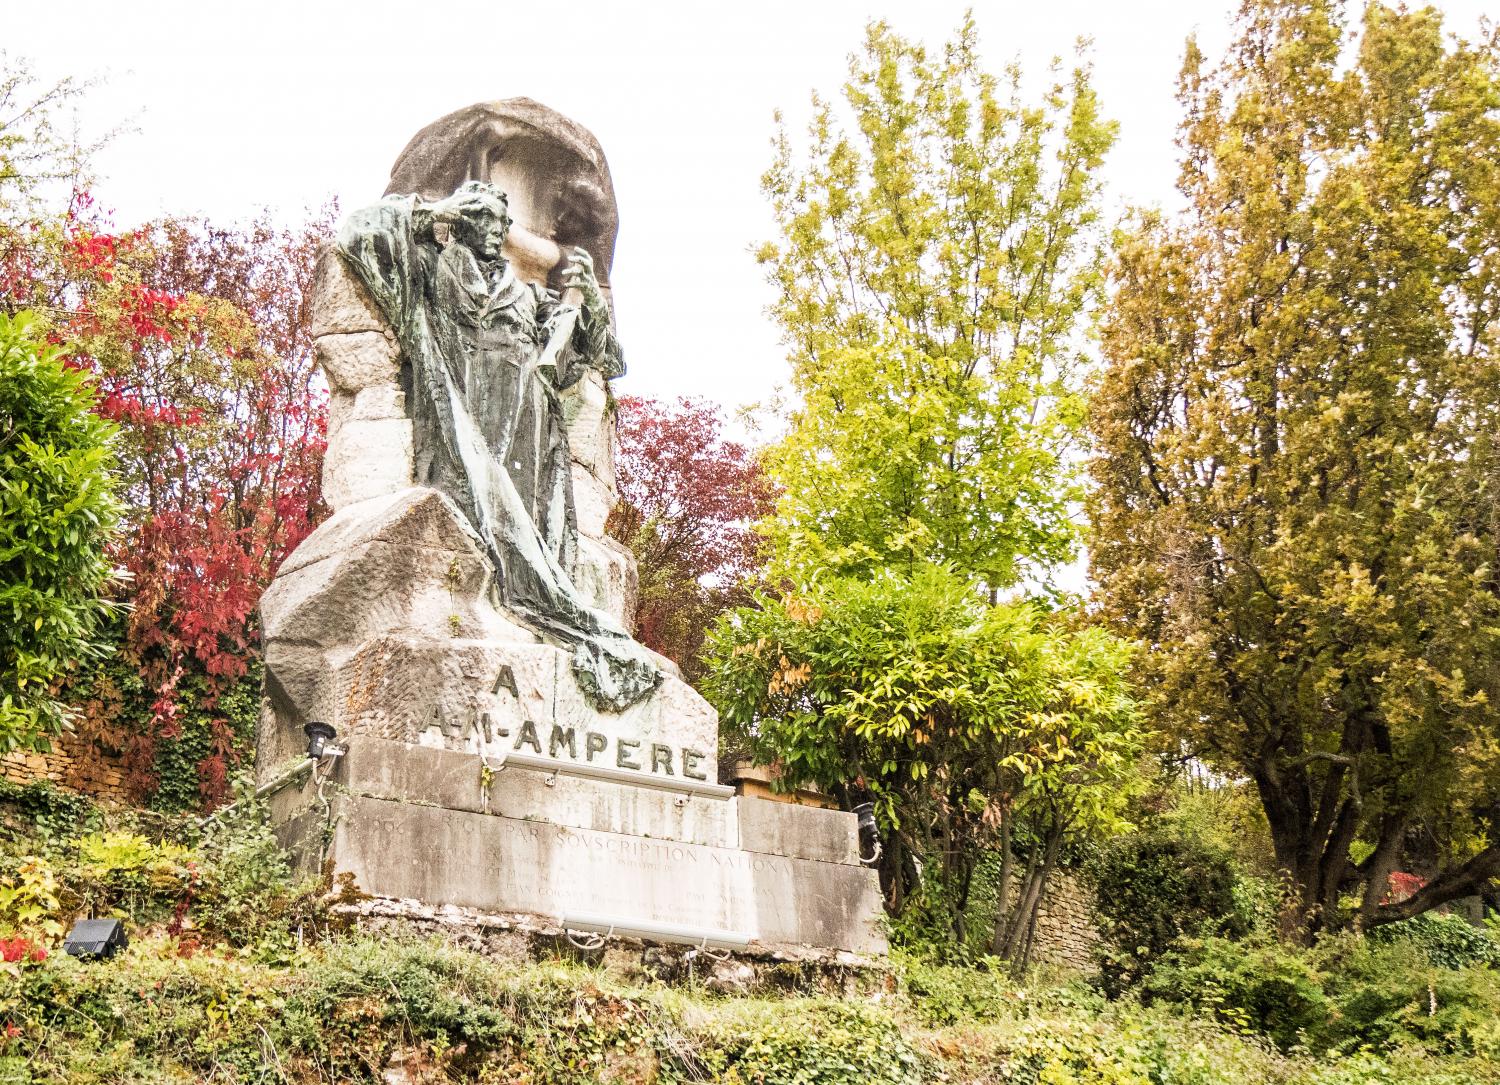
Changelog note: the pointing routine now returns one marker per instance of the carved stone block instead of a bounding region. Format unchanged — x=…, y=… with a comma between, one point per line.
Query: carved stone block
x=355, y=360
x=606, y=576
x=340, y=303
x=372, y=457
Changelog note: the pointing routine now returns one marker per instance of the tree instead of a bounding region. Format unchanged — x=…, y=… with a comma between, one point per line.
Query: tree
x=966, y=724
x=198, y=341
x=1297, y=474
x=199, y=336
x=934, y=273
x=57, y=512
x=688, y=498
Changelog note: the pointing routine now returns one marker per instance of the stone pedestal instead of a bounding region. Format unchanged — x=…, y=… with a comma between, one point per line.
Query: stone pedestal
x=434, y=825
x=478, y=775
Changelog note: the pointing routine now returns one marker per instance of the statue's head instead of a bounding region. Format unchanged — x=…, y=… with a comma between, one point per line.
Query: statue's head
x=481, y=217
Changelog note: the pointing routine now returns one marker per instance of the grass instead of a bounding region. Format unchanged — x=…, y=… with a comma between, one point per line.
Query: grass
x=410, y=1010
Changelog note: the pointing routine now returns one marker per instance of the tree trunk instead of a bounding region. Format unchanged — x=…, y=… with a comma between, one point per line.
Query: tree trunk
x=1025, y=916
x=1007, y=873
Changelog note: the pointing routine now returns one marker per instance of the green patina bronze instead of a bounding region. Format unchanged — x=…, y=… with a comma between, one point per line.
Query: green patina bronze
x=489, y=355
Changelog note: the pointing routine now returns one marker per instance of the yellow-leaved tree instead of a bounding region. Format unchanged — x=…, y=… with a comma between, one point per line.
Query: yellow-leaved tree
x=1298, y=500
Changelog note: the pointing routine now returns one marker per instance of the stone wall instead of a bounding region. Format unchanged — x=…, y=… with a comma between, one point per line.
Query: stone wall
x=1065, y=931
x=71, y=763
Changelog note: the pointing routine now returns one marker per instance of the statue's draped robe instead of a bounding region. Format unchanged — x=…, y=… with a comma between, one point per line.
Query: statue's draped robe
x=489, y=355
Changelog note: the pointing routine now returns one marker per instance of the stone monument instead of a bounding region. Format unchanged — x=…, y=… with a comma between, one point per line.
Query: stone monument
x=462, y=619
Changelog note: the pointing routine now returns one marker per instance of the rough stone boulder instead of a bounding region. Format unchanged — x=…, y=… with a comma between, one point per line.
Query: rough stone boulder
x=383, y=623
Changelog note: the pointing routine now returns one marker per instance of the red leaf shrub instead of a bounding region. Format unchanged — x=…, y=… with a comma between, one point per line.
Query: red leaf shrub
x=688, y=500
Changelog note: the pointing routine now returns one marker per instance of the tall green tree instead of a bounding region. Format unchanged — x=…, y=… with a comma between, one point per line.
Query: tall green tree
x=1298, y=475
x=57, y=510
x=935, y=267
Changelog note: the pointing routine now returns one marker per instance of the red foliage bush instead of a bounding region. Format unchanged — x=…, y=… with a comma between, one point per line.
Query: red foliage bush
x=198, y=336
x=688, y=500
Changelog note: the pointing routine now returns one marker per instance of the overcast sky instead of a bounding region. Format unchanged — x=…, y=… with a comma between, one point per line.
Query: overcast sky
x=246, y=105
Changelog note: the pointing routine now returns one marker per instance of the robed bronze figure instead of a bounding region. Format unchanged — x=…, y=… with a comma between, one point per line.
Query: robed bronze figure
x=488, y=356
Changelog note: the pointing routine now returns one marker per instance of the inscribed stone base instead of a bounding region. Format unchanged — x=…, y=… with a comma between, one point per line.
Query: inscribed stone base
x=382, y=623
x=435, y=825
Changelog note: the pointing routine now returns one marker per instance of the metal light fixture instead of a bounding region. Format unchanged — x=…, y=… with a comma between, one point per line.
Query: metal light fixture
x=319, y=735
x=95, y=939
x=869, y=834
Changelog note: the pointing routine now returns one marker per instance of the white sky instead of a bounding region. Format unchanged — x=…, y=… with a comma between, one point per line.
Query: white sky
x=245, y=105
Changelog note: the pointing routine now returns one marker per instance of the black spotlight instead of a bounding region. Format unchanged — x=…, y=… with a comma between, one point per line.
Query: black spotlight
x=319, y=735
x=95, y=938
x=869, y=835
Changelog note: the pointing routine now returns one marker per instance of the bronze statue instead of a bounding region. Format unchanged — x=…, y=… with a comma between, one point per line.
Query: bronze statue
x=488, y=356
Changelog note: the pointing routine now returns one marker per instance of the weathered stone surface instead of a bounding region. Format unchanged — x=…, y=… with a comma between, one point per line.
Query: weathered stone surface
x=592, y=500
x=340, y=303
x=591, y=429
x=485, y=861
x=453, y=779
x=372, y=457
x=551, y=166
x=606, y=576
x=783, y=828
x=410, y=688
x=356, y=360
x=383, y=623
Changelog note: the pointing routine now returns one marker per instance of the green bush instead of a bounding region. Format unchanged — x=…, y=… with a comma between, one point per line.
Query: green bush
x=826, y=1043
x=1152, y=888
x=944, y=994
x=349, y=1010
x=1393, y=994
x=1448, y=941
x=1268, y=989
x=1346, y=995
x=57, y=510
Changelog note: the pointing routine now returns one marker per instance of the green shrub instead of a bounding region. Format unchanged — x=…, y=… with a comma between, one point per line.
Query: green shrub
x=1269, y=989
x=39, y=814
x=826, y=1043
x=1346, y=995
x=943, y=994
x=345, y=1010
x=57, y=510
x=1152, y=888
x=1448, y=941
x=1392, y=994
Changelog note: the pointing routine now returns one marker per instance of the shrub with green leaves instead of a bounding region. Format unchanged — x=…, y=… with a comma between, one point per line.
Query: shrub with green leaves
x=1448, y=941
x=1395, y=994
x=1152, y=888
x=57, y=510
x=1269, y=989
x=970, y=726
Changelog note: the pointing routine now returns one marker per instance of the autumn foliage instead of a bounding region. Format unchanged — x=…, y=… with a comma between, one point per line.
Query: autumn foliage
x=688, y=499
x=197, y=337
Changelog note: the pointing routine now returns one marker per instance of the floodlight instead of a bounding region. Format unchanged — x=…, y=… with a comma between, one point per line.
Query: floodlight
x=319, y=735
x=95, y=939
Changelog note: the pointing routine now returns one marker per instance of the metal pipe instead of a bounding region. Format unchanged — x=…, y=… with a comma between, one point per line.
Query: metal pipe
x=541, y=763
x=267, y=789
x=661, y=932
